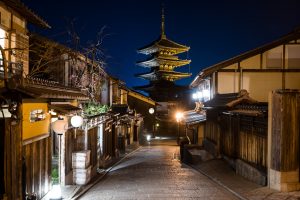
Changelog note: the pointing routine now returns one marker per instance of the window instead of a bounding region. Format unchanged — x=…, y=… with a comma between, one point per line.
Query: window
x=293, y=56
x=37, y=115
x=274, y=58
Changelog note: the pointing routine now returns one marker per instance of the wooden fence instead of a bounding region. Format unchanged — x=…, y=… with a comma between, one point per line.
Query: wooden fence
x=240, y=136
x=38, y=166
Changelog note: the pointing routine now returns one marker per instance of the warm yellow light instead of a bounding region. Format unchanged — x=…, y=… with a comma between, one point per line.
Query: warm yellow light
x=178, y=116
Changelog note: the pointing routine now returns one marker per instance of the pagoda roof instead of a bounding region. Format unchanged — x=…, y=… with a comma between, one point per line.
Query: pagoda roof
x=163, y=60
x=162, y=84
x=162, y=74
x=163, y=43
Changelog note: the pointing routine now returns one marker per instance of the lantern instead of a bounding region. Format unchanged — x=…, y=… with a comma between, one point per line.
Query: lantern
x=151, y=110
x=76, y=121
x=60, y=126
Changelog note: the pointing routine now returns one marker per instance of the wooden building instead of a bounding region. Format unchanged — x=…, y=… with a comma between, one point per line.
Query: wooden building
x=15, y=110
x=244, y=130
x=259, y=71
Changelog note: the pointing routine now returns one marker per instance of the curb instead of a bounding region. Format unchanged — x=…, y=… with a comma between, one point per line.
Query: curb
x=82, y=192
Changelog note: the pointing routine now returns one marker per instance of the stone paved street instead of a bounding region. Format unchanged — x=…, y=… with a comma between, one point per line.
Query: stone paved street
x=153, y=172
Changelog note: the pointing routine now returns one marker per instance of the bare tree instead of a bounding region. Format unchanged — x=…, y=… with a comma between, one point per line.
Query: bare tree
x=48, y=59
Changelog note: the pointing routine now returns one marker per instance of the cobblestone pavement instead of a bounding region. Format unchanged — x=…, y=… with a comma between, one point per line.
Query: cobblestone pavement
x=154, y=172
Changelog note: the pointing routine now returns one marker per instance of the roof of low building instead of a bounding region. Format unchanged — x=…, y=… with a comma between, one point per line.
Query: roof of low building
x=64, y=108
x=192, y=117
x=230, y=100
x=47, y=90
x=20, y=7
x=211, y=69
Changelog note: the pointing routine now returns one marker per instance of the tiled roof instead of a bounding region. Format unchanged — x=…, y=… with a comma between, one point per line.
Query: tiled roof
x=192, y=117
x=163, y=43
x=155, y=74
x=19, y=7
x=209, y=70
x=64, y=108
x=156, y=61
x=221, y=100
x=45, y=89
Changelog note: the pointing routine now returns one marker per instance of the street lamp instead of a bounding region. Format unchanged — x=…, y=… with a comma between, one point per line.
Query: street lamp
x=178, y=116
x=76, y=121
x=60, y=126
x=151, y=111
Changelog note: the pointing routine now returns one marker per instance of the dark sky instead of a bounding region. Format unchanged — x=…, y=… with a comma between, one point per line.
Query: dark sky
x=215, y=30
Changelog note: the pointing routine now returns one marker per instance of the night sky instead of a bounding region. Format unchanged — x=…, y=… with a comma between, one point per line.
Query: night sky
x=215, y=30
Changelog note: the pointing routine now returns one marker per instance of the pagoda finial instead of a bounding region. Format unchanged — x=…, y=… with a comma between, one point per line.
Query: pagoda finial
x=163, y=35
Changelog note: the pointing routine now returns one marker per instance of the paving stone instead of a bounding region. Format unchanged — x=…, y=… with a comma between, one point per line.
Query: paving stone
x=153, y=173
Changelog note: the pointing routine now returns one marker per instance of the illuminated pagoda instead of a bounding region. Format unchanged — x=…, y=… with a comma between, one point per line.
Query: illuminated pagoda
x=162, y=62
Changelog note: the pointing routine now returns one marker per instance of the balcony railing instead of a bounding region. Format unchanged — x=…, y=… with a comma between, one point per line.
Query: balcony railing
x=14, y=69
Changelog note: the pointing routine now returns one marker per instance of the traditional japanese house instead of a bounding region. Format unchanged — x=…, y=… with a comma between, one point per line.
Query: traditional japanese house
x=162, y=63
x=259, y=71
x=15, y=114
x=142, y=106
x=241, y=128
x=99, y=132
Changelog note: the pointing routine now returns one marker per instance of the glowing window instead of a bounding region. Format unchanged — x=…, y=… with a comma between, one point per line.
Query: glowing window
x=37, y=115
x=274, y=57
x=293, y=56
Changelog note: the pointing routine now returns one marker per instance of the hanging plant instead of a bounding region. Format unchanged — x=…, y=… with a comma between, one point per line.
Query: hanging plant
x=93, y=108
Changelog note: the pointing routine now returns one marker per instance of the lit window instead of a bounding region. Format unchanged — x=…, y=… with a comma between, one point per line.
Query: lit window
x=293, y=56
x=37, y=115
x=274, y=57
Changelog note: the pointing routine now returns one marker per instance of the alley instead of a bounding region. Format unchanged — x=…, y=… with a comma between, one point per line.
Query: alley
x=153, y=172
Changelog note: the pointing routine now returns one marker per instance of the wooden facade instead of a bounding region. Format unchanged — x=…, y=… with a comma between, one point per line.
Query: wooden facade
x=38, y=157
x=13, y=171
x=244, y=137
x=236, y=128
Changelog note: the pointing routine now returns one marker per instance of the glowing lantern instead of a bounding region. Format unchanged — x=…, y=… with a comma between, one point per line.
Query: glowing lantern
x=60, y=126
x=151, y=110
x=76, y=121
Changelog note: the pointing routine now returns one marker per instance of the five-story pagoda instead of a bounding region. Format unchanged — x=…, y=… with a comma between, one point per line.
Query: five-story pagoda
x=162, y=63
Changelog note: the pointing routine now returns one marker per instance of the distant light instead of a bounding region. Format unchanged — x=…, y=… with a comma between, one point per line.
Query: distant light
x=178, y=116
x=148, y=138
x=206, y=94
x=197, y=95
x=151, y=110
x=157, y=124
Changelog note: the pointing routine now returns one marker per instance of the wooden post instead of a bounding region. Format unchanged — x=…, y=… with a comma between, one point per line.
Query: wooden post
x=284, y=168
x=61, y=156
x=269, y=137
